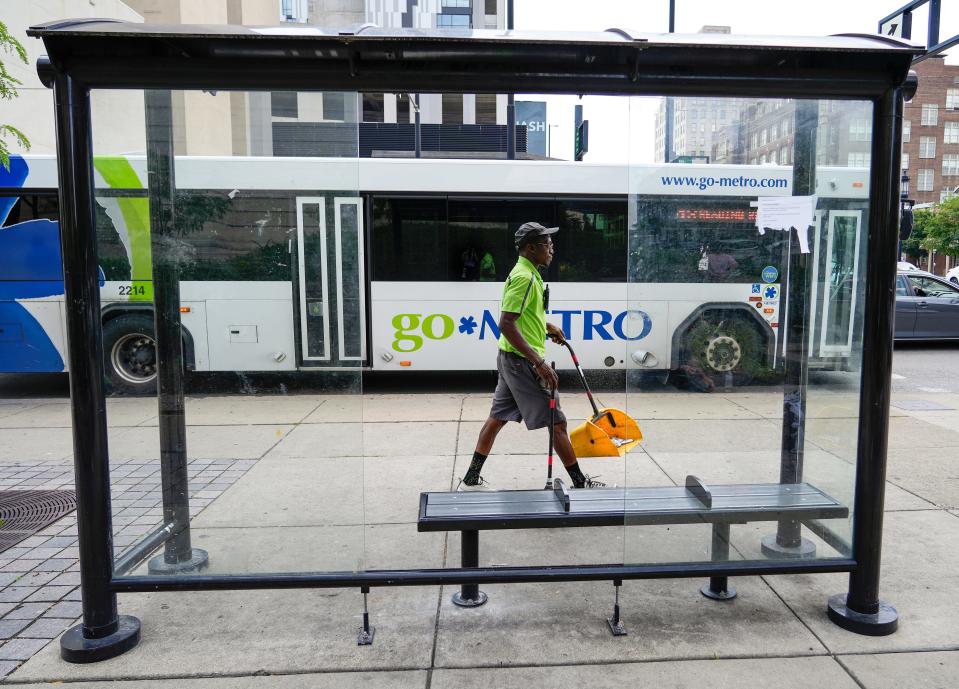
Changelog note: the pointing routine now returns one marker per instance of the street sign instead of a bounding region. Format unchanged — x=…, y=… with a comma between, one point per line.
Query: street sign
x=581, y=140
x=899, y=26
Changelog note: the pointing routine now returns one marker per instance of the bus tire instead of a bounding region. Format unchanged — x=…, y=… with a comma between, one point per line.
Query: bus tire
x=722, y=348
x=129, y=354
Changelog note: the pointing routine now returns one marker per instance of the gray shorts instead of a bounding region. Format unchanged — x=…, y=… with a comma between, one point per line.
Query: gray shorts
x=520, y=394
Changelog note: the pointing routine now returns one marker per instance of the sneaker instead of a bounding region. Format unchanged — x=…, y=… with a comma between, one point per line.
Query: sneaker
x=482, y=484
x=591, y=482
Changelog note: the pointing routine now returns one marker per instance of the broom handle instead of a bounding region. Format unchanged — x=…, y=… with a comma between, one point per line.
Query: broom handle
x=582, y=377
x=552, y=419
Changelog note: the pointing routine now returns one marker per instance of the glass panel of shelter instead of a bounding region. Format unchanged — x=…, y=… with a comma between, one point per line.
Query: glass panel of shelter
x=750, y=430
x=261, y=262
x=327, y=268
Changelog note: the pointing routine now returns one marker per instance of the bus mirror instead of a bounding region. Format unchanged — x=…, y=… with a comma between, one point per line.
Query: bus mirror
x=644, y=358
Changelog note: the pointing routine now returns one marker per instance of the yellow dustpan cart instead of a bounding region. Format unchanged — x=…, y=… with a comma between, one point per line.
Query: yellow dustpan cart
x=608, y=433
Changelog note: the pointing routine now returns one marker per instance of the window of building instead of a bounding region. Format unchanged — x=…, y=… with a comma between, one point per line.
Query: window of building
x=373, y=107
x=952, y=99
x=930, y=114
x=456, y=3
x=452, y=108
x=490, y=6
x=905, y=161
x=294, y=11
x=951, y=133
x=927, y=147
x=334, y=106
x=924, y=183
x=772, y=157
x=784, y=156
x=763, y=137
x=950, y=164
x=906, y=130
x=859, y=129
x=485, y=108
x=858, y=159
x=453, y=21
x=774, y=133
x=753, y=141
x=785, y=127
x=283, y=104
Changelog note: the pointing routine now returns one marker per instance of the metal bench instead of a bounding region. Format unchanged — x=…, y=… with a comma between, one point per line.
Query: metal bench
x=721, y=506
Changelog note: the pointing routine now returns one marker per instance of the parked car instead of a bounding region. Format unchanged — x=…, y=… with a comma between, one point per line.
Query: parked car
x=953, y=275
x=906, y=265
x=927, y=307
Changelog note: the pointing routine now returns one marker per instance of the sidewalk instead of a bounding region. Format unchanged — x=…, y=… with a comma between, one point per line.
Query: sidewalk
x=279, y=484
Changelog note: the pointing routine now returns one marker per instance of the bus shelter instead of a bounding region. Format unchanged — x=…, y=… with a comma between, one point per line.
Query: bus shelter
x=795, y=247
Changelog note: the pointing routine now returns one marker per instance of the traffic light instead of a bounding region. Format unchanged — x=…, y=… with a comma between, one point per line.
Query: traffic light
x=581, y=140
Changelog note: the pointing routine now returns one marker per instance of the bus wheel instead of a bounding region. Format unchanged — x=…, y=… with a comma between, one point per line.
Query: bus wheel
x=727, y=348
x=129, y=352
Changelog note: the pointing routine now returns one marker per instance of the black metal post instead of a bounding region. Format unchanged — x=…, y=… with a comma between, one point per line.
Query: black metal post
x=103, y=633
x=365, y=636
x=718, y=588
x=861, y=610
x=788, y=541
x=469, y=595
x=615, y=623
x=510, y=99
x=417, y=127
x=178, y=554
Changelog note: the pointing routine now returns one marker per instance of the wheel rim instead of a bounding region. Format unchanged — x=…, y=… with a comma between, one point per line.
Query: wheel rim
x=723, y=353
x=133, y=357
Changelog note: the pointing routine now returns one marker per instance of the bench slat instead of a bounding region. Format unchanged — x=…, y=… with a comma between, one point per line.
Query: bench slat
x=613, y=506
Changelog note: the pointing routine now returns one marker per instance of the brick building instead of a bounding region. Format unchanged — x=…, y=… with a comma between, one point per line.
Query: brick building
x=930, y=133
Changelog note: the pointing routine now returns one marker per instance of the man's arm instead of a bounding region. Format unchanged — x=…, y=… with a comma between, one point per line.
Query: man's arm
x=507, y=326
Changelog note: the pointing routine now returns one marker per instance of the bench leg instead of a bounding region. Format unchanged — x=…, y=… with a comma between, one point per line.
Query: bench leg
x=718, y=588
x=469, y=595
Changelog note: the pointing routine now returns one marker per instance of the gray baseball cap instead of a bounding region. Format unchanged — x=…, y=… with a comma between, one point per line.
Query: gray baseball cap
x=529, y=231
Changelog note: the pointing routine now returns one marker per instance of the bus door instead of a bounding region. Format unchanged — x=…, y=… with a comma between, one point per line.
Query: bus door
x=331, y=281
x=835, y=283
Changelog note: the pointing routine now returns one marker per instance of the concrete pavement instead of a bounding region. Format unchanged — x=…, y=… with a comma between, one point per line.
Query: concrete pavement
x=330, y=482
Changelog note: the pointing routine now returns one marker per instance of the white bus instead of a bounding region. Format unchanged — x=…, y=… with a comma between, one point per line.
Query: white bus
x=397, y=264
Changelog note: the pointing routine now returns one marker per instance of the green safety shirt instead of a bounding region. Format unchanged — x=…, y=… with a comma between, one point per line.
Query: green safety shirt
x=523, y=294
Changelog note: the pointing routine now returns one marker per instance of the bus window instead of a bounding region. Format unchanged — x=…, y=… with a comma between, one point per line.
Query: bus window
x=701, y=239
x=243, y=238
x=591, y=244
x=409, y=239
x=31, y=252
x=481, y=235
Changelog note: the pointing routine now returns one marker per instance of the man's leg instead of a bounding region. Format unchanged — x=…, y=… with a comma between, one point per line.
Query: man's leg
x=488, y=433
x=484, y=445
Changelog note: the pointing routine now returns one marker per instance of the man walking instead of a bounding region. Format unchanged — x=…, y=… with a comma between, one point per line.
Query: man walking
x=525, y=379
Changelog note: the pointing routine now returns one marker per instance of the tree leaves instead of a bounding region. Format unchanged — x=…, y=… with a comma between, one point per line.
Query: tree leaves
x=8, y=83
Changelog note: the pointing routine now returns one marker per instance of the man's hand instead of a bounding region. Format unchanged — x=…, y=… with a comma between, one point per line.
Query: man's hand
x=555, y=334
x=546, y=372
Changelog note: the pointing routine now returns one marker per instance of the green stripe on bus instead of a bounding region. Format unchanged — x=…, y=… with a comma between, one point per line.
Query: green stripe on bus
x=119, y=174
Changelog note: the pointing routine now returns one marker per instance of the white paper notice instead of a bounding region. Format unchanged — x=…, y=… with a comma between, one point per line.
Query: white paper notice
x=787, y=212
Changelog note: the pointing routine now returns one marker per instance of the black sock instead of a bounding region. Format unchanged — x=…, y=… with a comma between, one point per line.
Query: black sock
x=473, y=473
x=579, y=480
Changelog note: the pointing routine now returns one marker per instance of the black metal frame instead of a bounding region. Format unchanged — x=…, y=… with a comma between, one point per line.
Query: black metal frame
x=104, y=54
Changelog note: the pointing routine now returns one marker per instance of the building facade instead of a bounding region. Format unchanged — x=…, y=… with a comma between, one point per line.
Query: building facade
x=930, y=133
